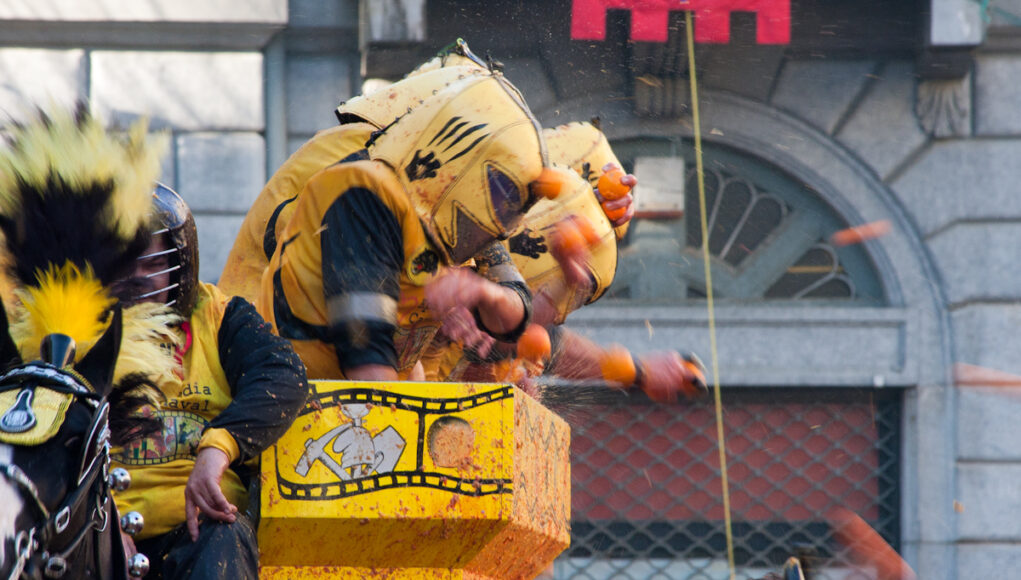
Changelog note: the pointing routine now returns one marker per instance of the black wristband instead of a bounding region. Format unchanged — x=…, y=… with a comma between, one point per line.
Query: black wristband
x=526, y=301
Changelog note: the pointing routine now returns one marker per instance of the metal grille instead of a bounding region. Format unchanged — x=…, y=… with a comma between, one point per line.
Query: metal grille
x=647, y=494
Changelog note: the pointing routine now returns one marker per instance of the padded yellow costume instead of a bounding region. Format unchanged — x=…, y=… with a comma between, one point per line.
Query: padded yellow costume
x=583, y=148
x=553, y=297
x=346, y=281
x=360, y=117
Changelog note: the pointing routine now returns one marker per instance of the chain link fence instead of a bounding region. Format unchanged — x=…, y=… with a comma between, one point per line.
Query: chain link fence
x=647, y=500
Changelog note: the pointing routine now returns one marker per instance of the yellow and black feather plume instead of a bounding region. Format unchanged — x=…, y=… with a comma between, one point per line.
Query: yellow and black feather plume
x=73, y=192
x=75, y=212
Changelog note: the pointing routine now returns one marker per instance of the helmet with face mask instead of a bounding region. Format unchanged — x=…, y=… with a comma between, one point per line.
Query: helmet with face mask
x=172, y=219
x=471, y=160
x=382, y=106
x=530, y=249
x=584, y=148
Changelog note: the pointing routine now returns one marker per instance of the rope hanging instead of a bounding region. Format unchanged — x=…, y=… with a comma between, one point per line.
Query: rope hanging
x=718, y=402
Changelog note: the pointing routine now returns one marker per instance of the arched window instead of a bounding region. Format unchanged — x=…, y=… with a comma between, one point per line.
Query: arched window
x=647, y=493
x=769, y=234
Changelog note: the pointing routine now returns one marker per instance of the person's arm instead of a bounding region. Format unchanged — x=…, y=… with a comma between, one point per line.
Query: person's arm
x=664, y=376
x=268, y=389
x=267, y=381
x=496, y=295
x=362, y=258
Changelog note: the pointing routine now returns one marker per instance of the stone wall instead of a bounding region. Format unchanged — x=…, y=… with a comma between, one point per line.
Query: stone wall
x=240, y=85
x=207, y=71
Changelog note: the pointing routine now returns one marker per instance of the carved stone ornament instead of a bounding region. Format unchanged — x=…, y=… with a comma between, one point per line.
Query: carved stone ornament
x=943, y=107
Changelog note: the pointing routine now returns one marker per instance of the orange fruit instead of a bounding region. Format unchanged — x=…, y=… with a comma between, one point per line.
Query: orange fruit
x=548, y=184
x=859, y=234
x=865, y=544
x=534, y=344
x=617, y=366
x=609, y=184
x=569, y=239
x=587, y=230
x=614, y=214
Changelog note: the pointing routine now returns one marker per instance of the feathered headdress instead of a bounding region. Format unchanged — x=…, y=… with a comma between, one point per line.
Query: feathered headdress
x=75, y=211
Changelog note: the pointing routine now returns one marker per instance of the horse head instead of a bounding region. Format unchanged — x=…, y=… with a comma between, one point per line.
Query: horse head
x=55, y=435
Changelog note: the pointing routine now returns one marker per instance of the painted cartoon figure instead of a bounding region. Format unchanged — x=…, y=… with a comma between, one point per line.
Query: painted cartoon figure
x=361, y=453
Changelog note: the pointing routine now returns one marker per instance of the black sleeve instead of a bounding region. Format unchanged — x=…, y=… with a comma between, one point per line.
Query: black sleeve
x=266, y=377
x=362, y=256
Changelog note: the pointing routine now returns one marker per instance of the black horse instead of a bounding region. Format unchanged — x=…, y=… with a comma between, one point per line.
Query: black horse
x=57, y=519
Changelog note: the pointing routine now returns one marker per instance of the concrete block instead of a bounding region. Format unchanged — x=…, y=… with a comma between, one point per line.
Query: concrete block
x=270, y=11
x=962, y=179
x=183, y=90
x=883, y=129
x=316, y=84
x=220, y=172
x=38, y=77
x=775, y=345
x=216, y=237
x=978, y=261
x=990, y=498
x=986, y=335
x=318, y=14
x=957, y=23
x=987, y=425
x=820, y=91
x=393, y=21
x=934, y=560
x=997, y=94
x=987, y=560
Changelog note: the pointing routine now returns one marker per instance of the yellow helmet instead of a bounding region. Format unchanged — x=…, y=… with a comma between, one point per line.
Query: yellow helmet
x=584, y=148
x=530, y=249
x=382, y=107
x=468, y=158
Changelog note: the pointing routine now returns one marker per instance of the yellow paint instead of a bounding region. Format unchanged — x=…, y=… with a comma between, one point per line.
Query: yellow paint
x=502, y=513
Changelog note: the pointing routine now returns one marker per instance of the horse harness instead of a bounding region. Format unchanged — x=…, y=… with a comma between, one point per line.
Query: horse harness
x=87, y=505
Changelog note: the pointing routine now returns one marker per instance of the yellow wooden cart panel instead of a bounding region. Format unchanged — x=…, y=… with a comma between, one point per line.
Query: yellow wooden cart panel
x=416, y=480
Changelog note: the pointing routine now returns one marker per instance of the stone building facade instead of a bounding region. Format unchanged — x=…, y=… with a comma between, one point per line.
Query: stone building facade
x=904, y=112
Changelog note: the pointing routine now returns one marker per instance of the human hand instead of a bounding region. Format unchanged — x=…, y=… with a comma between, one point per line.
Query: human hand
x=455, y=287
x=203, y=493
x=665, y=374
x=499, y=308
x=618, y=206
x=459, y=326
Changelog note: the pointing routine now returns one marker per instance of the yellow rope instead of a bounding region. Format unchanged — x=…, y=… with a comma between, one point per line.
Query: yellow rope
x=709, y=296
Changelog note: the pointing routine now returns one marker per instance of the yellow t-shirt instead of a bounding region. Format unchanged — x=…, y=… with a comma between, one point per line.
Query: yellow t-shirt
x=160, y=465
